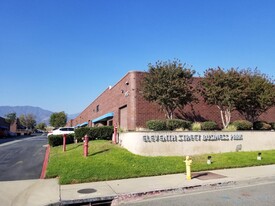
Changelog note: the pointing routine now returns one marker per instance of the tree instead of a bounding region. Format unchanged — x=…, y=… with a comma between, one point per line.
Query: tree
x=10, y=118
x=58, y=119
x=27, y=121
x=258, y=95
x=222, y=88
x=41, y=126
x=169, y=85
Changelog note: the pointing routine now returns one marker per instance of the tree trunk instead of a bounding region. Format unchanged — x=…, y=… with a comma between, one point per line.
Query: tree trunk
x=226, y=117
x=169, y=113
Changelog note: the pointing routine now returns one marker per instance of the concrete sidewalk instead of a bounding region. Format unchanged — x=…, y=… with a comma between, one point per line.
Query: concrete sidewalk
x=48, y=192
x=29, y=192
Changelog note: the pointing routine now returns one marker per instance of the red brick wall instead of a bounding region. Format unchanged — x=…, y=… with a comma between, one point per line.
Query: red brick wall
x=127, y=93
x=145, y=110
x=110, y=101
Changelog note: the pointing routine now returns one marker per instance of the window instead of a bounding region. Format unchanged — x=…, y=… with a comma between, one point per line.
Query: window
x=67, y=129
x=97, y=108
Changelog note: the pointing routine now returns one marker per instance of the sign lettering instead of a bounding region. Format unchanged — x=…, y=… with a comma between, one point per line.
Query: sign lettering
x=192, y=137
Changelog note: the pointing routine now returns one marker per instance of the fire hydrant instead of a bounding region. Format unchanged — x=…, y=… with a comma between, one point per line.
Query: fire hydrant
x=86, y=145
x=188, y=163
x=64, y=142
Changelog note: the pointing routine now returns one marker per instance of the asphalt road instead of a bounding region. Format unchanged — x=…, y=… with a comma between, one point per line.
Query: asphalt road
x=250, y=193
x=22, y=158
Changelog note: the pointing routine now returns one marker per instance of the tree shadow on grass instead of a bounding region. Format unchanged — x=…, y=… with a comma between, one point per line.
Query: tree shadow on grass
x=74, y=147
x=99, y=152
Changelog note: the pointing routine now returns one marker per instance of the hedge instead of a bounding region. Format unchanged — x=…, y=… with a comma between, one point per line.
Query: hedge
x=172, y=124
x=242, y=125
x=209, y=125
x=169, y=124
x=104, y=133
x=272, y=125
x=261, y=125
x=80, y=133
x=56, y=140
x=156, y=125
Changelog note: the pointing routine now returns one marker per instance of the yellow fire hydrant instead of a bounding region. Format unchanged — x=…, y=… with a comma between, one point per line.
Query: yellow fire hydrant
x=188, y=163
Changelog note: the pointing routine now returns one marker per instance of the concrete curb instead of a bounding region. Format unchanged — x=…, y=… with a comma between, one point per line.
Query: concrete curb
x=117, y=199
x=45, y=163
x=88, y=200
x=124, y=198
x=136, y=196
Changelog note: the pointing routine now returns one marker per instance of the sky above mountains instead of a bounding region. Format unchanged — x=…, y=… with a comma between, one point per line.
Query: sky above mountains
x=60, y=55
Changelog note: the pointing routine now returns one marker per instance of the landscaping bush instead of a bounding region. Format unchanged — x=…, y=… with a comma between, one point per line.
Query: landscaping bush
x=242, y=125
x=196, y=126
x=209, y=125
x=156, y=125
x=230, y=128
x=56, y=140
x=272, y=124
x=261, y=125
x=172, y=124
x=103, y=133
x=81, y=132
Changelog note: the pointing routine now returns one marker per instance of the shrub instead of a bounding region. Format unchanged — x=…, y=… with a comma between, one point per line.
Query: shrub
x=230, y=128
x=81, y=132
x=196, y=126
x=261, y=125
x=209, y=125
x=156, y=125
x=56, y=140
x=242, y=125
x=186, y=124
x=172, y=124
x=103, y=132
x=272, y=124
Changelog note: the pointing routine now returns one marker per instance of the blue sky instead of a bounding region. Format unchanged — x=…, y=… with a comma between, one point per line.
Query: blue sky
x=61, y=54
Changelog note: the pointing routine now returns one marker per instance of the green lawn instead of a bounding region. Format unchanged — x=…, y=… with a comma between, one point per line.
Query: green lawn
x=107, y=161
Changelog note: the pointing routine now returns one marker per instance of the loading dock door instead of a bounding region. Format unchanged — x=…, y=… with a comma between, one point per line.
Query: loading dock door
x=123, y=118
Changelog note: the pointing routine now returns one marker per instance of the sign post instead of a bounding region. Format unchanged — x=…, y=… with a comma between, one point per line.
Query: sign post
x=115, y=134
x=64, y=142
x=86, y=145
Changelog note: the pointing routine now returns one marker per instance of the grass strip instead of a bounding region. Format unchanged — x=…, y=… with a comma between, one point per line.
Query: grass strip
x=107, y=161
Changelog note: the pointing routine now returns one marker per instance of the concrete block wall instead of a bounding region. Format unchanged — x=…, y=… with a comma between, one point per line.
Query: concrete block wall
x=193, y=143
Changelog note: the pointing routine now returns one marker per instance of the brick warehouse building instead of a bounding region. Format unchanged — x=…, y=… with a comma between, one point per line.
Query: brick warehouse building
x=124, y=105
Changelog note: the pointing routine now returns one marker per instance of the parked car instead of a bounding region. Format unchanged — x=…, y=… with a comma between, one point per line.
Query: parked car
x=61, y=131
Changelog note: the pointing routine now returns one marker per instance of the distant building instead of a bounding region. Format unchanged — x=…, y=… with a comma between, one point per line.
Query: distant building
x=124, y=105
x=4, y=127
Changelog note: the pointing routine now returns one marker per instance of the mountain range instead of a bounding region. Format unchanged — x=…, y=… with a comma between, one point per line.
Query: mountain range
x=41, y=115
